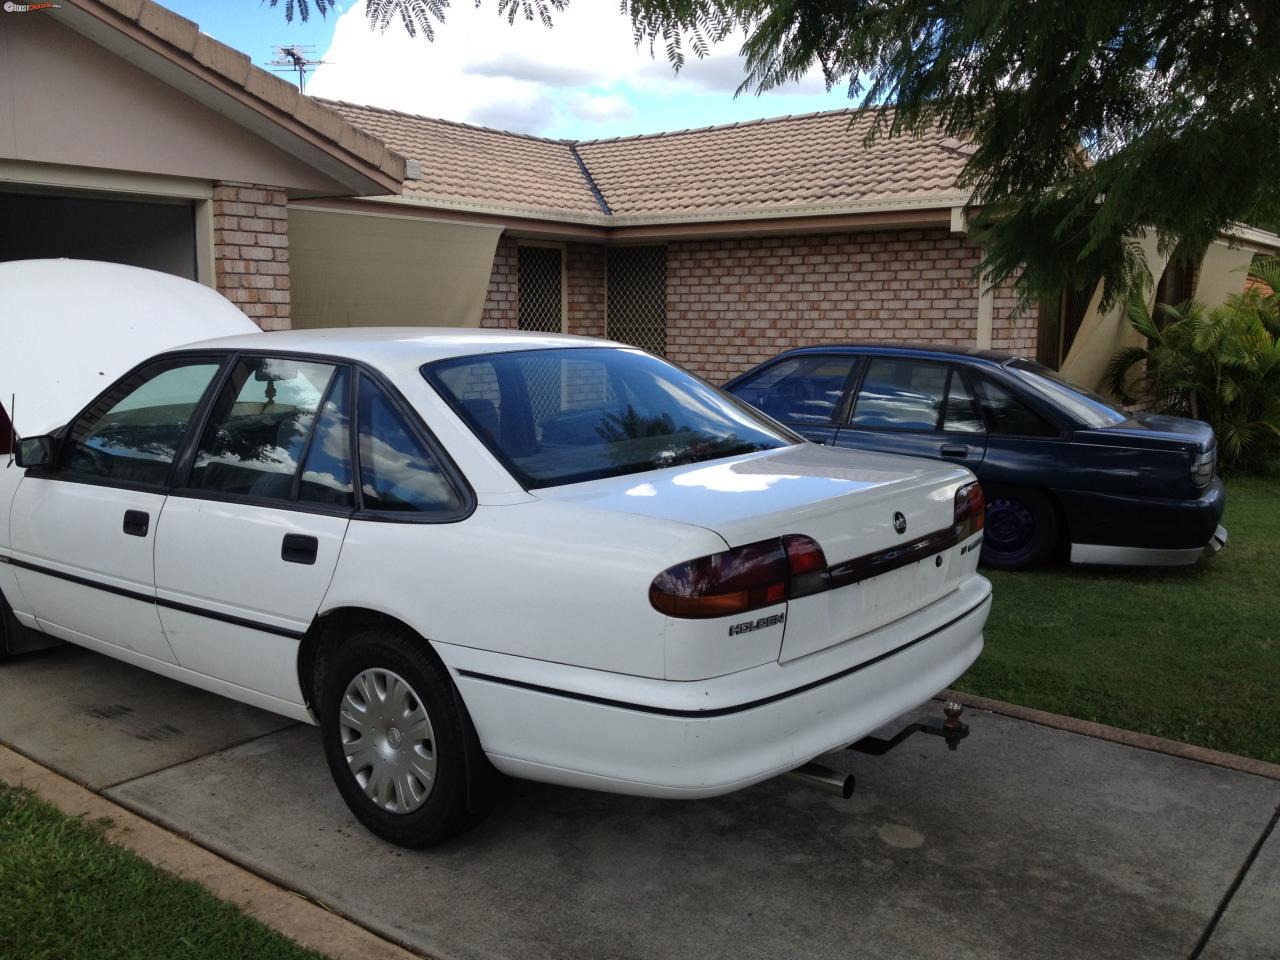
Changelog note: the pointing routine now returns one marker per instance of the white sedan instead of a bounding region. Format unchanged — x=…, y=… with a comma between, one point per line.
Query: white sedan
x=464, y=552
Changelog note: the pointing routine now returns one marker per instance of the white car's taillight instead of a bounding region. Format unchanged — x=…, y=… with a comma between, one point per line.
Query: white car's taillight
x=971, y=510
x=745, y=578
x=1202, y=467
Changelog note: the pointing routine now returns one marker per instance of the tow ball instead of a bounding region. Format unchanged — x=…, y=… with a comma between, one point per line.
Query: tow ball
x=950, y=728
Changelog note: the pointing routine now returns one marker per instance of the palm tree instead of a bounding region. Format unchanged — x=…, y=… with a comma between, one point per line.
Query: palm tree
x=1220, y=365
x=421, y=15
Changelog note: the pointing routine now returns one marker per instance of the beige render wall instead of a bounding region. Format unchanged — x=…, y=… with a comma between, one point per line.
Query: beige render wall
x=251, y=251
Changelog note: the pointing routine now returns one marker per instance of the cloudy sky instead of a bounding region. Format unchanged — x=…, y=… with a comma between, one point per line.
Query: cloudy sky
x=583, y=78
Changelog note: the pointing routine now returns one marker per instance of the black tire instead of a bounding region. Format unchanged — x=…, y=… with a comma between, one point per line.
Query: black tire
x=1021, y=529
x=462, y=788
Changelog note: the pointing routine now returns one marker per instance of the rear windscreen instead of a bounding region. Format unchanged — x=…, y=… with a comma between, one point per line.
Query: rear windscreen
x=569, y=415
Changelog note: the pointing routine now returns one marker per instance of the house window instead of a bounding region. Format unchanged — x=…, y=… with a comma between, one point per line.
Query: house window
x=541, y=289
x=637, y=292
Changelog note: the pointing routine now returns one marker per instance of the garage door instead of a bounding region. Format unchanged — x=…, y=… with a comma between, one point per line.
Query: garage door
x=157, y=235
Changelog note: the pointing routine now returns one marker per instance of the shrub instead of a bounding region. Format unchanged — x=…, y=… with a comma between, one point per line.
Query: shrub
x=1220, y=365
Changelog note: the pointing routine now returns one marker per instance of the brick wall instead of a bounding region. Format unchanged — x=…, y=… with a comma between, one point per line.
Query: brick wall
x=1012, y=330
x=734, y=303
x=585, y=274
x=500, y=299
x=251, y=250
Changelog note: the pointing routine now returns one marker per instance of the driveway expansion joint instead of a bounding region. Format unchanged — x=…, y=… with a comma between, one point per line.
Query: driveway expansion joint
x=1234, y=888
x=178, y=763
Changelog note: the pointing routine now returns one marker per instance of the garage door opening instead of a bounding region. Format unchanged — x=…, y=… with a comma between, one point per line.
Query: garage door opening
x=157, y=235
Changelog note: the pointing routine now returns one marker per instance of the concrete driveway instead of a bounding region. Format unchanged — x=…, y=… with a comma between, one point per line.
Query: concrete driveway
x=1028, y=843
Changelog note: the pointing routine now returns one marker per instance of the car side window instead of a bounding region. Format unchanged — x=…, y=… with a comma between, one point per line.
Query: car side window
x=900, y=394
x=805, y=389
x=259, y=426
x=961, y=414
x=1008, y=415
x=398, y=472
x=326, y=472
x=132, y=433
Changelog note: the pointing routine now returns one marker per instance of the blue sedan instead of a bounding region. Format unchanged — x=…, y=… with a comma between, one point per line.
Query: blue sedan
x=1064, y=470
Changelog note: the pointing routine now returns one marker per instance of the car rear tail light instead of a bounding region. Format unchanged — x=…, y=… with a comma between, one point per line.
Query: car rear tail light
x=971, y=510
x=745, y=578
x=1202, y=467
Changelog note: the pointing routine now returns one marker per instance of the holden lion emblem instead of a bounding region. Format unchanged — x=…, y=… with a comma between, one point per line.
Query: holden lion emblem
x=899, y=522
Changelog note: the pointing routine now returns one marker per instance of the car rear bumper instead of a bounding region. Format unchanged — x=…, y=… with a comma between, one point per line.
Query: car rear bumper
x=1112, y=528
x=633, y=735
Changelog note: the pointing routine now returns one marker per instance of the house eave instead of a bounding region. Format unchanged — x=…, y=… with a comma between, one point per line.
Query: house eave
x=362, y=166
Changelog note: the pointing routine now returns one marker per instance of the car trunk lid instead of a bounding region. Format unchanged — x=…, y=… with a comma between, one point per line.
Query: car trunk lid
x=864, y=510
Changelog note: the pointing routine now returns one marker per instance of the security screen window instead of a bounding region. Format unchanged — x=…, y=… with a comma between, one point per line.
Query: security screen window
x=564, y=416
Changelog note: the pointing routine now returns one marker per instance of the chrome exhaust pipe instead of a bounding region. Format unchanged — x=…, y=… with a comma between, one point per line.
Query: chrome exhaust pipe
x=817, y=775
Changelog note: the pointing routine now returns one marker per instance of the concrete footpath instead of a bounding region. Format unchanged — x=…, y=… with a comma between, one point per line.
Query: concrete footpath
x=1029, y=842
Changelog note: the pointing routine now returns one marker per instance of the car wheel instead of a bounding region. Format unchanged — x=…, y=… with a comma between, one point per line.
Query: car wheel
x=1020, y=530
x=395, y=736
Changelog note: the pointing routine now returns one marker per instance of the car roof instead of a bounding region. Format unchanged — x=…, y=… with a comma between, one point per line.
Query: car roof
x=381, y=346
x=996, y=357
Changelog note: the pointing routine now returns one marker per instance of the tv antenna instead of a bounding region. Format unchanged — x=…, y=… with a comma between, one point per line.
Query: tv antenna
x=295, y=58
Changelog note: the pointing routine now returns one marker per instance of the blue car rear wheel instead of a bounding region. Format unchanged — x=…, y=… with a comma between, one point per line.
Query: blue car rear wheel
x=1021, y=529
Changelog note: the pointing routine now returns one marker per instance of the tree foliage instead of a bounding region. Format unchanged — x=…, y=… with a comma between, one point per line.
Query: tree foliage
x=420, y=15
x=1221, y=365
x=1091, y=120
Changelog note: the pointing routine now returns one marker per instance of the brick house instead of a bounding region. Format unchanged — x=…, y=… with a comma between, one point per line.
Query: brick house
x=128, y=135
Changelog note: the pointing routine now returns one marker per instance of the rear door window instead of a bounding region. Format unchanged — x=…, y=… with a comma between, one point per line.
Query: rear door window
x=258, y=429
x=961, y=414
x=399, y=472
x=900, y=394
x=805, y=390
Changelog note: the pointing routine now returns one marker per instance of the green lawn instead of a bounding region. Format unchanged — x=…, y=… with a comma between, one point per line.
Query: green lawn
x=67, y=893
x=1192, y=654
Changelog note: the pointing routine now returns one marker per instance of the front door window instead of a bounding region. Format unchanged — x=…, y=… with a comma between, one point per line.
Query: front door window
x=133, y=432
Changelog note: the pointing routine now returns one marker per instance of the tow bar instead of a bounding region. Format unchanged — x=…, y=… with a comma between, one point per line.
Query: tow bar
x=951, y=729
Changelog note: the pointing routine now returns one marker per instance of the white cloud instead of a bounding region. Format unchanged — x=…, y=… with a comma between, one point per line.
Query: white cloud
x=582, y=76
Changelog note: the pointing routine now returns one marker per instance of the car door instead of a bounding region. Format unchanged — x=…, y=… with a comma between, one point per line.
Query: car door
x=248, y=541
x=804, y=392
x=920, y=408
x=83, y=530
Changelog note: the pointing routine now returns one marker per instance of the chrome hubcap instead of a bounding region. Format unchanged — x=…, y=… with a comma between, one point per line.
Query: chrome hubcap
x=388, y=741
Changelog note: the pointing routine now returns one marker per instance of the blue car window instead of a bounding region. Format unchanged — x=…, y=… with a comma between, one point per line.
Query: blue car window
x=901, y=394
x=800, y=389
x=962, y=414
x=1008, y=415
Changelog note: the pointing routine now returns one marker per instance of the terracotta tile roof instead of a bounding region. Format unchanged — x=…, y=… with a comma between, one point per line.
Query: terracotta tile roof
x=465, y=164
x=791, y=164
x=268, y=94
x=814, y=160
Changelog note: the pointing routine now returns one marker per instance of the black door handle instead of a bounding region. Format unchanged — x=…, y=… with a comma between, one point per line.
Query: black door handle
x=299, y=548
x=954, y=450
x=136, y=523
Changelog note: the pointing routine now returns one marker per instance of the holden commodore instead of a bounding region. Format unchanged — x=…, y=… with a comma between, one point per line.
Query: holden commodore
x=1064, y=470
x=466, y=553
